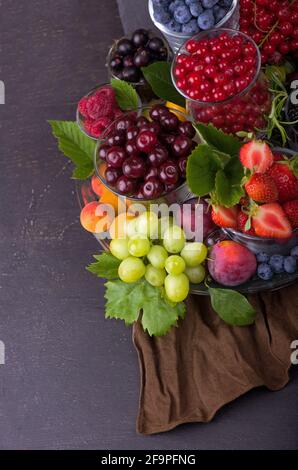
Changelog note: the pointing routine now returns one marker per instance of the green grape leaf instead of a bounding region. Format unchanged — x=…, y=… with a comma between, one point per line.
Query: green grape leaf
x=106, y=266
x=216, y=138
x=83, y=172
x=227, y=194
x=232, y=307
x=126, y=96
x=201, y=170
x=158, y=75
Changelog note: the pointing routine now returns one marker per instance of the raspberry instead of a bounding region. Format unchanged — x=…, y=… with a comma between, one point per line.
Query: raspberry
x=99, y=126
x=83, y=107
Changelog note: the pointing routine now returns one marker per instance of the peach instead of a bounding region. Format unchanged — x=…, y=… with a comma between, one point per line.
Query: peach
x=97, y=186
x=118, y=226
x=230, y=263
x=95, y=218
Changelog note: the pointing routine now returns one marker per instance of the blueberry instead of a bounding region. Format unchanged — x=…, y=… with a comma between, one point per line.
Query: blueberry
x=160, y=3
x=189, y=2
x=173, y=26
x=225, y=3
x=161, y=15
x=277, y=263
x=263, y=257
x=173, y=5
x=265, y=272
x=290, y=264
x=196, y=8
x=182, y=14
x=219, y=13
x=206, y=20
x=294, y=252
x=191, y=27
x=209, y=3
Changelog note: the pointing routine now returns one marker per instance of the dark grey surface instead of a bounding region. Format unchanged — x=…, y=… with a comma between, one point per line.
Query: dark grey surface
x=71, y=378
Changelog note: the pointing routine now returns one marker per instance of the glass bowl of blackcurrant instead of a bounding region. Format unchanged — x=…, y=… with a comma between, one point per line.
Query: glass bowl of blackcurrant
x=130, y=53
x=143, y=155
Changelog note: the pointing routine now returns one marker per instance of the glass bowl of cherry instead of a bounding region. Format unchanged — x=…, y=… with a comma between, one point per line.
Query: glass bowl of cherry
x=143, y=155
x=130, y=53
x=219, y=73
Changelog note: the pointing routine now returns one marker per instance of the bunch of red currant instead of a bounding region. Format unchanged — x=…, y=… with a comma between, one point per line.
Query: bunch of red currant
x=273, y=25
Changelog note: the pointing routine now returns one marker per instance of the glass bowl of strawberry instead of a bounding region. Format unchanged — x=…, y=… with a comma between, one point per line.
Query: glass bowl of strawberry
x=143, y=156
x=97, y=110
x=219, y=74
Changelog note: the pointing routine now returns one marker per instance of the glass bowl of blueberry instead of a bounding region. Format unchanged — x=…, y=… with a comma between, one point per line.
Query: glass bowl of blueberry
x=143, y=157
x=129, y=54
x=178, y=20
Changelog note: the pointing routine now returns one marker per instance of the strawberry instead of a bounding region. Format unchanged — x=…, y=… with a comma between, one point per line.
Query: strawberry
x=261, y=188
x=270, y=221
x=284, y=175
x=244, y=201
x=278, y=157
x=242, y=220
x=225, y=217
x=257, y=156
x=291, y=210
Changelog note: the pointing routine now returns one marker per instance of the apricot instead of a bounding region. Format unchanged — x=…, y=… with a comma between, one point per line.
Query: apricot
x=118, y=226
x=95, y=218
x=230, y=263
x=97, y=186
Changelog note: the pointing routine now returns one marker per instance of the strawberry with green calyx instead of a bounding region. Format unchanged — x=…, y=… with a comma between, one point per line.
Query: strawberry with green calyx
x=225, y=217
x=261, y=188
x=291, y=210
x=285, y=174
x=256, y=156
x=270, y=221
x=244, y=223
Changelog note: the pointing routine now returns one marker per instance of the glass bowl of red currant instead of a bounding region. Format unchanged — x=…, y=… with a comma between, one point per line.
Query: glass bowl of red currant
x=219, y=74
x=143, y=155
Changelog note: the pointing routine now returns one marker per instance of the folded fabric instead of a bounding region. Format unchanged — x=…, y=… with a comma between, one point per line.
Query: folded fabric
x=187, y=375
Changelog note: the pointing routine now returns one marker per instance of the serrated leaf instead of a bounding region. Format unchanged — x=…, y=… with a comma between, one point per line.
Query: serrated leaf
x=126, y=96
x=128, y=301
x=158, y=75
x=218, y=139
x=73, y=143
x=232, y=307
x=83, y=172
x=201, y=170
x=227, y=195
x=234, y=171
x=106, y=266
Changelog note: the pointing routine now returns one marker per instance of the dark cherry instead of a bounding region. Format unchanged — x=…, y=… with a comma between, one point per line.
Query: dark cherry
x=141, y=58
x=124, y=123
x=170, y=187
x=146, y=140
x=152, y=172
x=128, y=61
x=158, y=111
x=116, y=63
x=102, y=153
x=167, y=139
x=186, y=128
x=132, y=132
x=140, y=37
x=169, y=122
x=182, y=162
x=115, y=157
x=181, y=146
x=154, y=127
x=116, y=139
x=131, y=148
x=119, y=74
x=134, y=167
x=163, y=53
x=152, y=188
x=158, y=155
x=142, y=121
x=112, y=175
x=169, y=172
x=125, y=47
x=125, y=185
x=155, y=44
x=131, y=74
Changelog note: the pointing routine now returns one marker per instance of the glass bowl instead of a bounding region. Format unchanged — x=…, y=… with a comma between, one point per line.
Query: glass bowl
x=142, y=86
x=81, y=120
x=175, y=40
x=243, y=111
x=178, y=195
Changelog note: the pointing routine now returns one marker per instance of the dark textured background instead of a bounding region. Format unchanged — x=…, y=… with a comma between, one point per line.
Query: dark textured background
x=71, y=378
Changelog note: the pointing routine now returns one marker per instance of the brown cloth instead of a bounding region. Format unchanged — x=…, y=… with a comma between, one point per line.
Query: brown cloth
x=187, y=375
